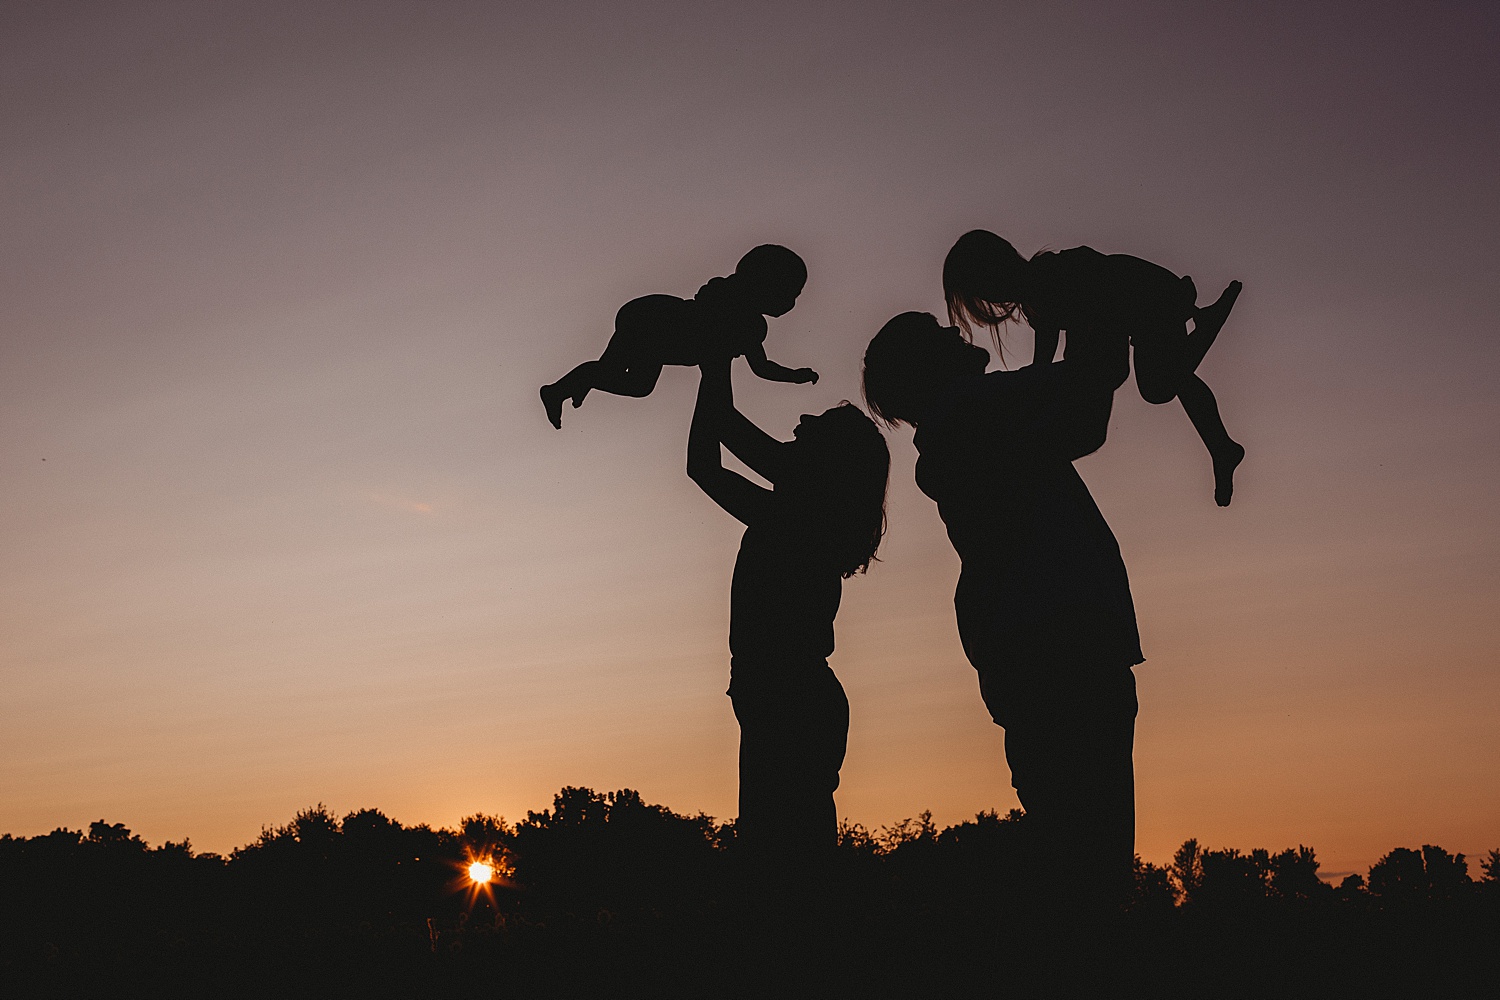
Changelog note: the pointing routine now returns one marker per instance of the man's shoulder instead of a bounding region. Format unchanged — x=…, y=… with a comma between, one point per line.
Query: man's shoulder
x=970, y=397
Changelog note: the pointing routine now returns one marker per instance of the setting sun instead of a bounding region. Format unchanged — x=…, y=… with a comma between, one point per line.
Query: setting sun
x=481, y=872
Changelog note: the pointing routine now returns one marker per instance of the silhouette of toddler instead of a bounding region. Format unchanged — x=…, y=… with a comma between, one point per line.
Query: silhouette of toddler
x=1089, y=294
x=727, y=318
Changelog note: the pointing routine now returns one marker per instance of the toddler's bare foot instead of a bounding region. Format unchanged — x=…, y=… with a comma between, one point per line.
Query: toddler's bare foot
x=552, y=399
x=1210, y=319
x=1226, y=460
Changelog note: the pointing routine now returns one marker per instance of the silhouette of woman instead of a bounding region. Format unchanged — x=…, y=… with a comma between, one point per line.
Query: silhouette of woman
x=822, y=522
x=1043, y=602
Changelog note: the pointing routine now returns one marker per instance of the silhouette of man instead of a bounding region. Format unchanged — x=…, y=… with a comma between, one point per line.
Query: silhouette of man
x=1043, y=602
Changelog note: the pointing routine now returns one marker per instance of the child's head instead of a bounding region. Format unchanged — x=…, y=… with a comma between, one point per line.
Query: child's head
x=772, y=277
x=982, y=279
x=841, y=464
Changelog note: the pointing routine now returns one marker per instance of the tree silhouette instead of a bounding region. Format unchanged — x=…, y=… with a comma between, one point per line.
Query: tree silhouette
x=1405, y=878
x=1187, y=870
x=607, y=887
x=1153, y=890
x=1294, y=875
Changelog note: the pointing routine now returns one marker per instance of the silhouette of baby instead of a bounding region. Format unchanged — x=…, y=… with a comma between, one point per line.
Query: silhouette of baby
x=727, y=318
x=1090, y=294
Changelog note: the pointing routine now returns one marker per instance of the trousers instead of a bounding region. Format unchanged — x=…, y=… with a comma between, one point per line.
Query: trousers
x=794, y=731
x=1069, y=741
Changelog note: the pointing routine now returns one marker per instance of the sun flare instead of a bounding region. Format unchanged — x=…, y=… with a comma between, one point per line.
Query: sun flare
x=481, y=872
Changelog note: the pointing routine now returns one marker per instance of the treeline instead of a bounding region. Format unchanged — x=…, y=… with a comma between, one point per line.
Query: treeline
x=609, y=891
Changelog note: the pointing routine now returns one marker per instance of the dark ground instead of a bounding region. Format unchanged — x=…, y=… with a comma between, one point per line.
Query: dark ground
x=610, y=896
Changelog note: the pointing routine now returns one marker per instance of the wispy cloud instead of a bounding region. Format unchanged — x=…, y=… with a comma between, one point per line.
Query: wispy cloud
x=403, y=503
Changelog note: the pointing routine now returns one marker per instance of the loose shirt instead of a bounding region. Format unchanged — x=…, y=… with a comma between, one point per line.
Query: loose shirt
x=1081, y=290
x=1042, y=578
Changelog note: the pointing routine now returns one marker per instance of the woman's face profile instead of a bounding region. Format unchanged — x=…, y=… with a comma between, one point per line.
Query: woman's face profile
x=816, y=429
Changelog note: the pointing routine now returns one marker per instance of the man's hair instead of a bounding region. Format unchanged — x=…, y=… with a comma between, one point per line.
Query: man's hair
x=896, y=371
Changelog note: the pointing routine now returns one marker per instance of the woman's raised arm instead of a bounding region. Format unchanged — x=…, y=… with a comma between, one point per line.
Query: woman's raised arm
x=751, y=445
x=713, y=416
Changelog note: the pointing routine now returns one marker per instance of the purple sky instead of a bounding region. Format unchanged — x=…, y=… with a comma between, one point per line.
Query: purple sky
x=284, y=521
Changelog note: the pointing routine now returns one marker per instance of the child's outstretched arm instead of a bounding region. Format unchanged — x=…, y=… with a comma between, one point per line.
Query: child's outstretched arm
x=705, y=463
x=772, y=372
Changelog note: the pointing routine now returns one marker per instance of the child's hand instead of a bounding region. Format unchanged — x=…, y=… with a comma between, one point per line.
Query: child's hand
x=801, y=375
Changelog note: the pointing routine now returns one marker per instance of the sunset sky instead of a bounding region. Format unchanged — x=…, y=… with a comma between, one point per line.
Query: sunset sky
x=284, y=522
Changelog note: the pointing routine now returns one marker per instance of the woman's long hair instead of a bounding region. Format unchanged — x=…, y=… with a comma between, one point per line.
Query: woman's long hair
x=840, y=488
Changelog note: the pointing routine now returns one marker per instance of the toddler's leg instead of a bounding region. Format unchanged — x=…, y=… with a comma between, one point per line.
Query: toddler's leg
x=1166, y=354
x=1203, y=410
x=1159, y=355
x=1207, y=322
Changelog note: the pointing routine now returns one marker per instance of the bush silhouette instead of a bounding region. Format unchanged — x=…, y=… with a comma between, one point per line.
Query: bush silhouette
x=601, y=887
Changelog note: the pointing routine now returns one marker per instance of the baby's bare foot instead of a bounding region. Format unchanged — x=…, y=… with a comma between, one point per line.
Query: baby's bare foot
x=552, y=399
x=1226, y=460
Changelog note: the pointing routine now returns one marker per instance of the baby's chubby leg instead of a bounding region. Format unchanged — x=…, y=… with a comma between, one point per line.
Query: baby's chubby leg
x=636, y=380
x=603, y=374
x=632, y=362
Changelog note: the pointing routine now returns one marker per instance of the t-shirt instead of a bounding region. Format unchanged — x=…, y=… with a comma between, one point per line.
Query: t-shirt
x=1082, y=289
x=784, y=597
x=717, y=313
x=1042, y=577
